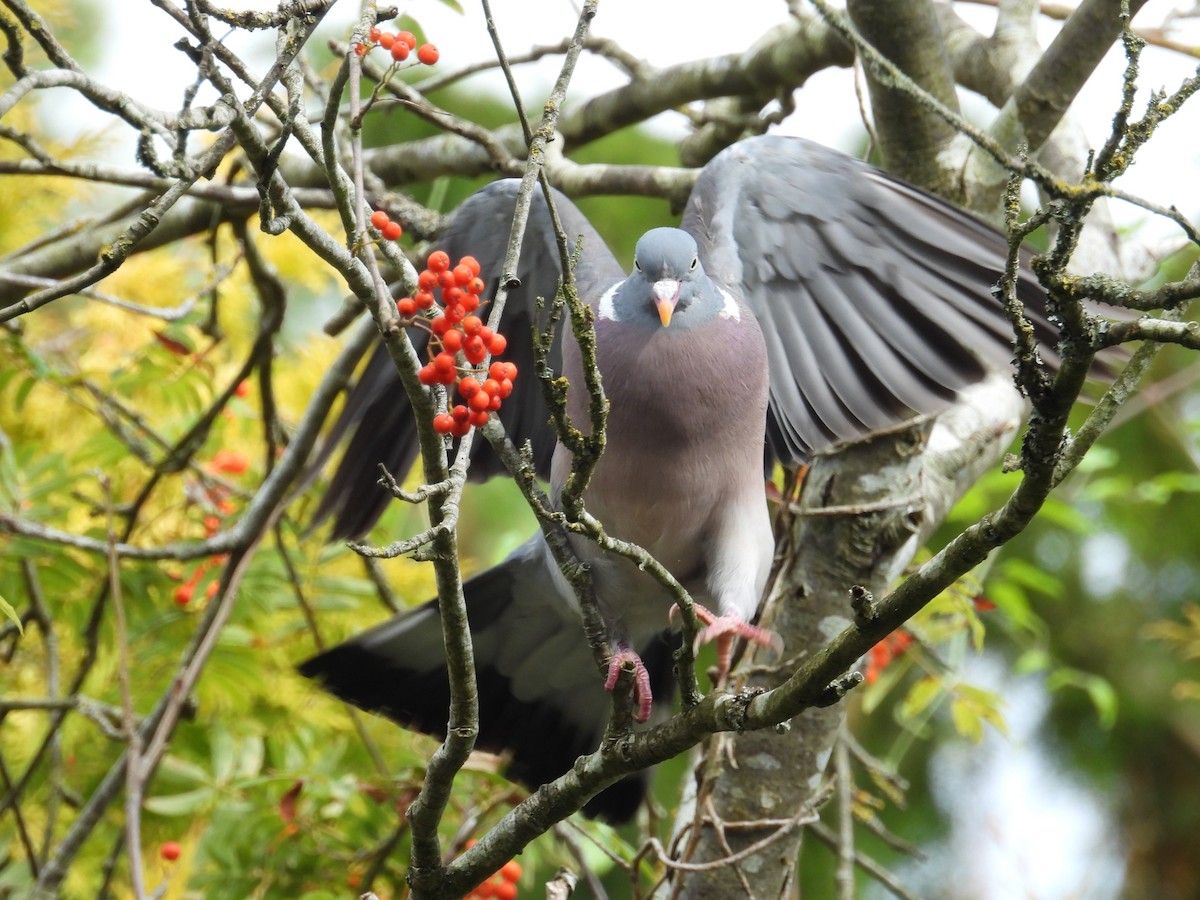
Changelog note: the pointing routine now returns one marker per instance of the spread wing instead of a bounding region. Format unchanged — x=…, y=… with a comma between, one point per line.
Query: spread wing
x=874, y=297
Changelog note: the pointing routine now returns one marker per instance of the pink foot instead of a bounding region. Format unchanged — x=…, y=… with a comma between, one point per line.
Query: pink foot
x=641, y=679
x=723, y=629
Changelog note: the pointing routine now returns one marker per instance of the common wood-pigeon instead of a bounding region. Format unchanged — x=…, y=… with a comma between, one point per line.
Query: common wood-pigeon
x=807, y=299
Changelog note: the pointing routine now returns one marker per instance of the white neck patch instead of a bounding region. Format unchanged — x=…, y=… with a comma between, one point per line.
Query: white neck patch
x=607, y=310
x=730, y=309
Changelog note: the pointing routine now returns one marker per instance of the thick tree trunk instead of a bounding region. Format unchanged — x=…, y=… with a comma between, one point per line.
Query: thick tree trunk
x=861, y=515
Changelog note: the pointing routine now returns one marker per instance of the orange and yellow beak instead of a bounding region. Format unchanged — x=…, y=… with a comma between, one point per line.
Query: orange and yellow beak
x=666, y=296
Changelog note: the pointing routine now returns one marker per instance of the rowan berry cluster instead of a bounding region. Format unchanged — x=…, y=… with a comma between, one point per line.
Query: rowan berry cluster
x=882, y=654
x=187, y=590
x=502, y=885
x=390, y=230
x=400, y=45
x=456, y=329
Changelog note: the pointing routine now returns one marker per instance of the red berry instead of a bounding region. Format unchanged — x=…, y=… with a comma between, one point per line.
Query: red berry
x=428, y=375
x=497, y=344
x=491, y=385
x=460, y=414
x=379, y=218
x=386, y=40
x=474, y=350
x=408, y=39
x=506, y=389
x=505, y=890
x=423, y=299
x=360, y=49
x=463, y=275
x=400, y=51
x=468, y=387
x=452, y=295
x=183, y=594
x=170, y=851
x=392, y=231
x=478, y=417
x=471, y=325
x=440, y=325
x=496, y=371
x=427, y=280
x=407, y=307
x=452, y=341
x=475, y=286
x=443, y=423
x=444, y=362
x=428, y=54
x=470, y=302
x=461, y=428
x=479, y=401
x=454, y=313
x=242, y=389
x=439, y=261
x=494, y=405
x=511, y=871
x=471, y=263
x=446, y=279
x=510, y=371
x=374, y=35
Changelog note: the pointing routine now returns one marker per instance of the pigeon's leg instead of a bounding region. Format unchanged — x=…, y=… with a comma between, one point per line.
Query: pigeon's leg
x=723, y=629
x=641, y=678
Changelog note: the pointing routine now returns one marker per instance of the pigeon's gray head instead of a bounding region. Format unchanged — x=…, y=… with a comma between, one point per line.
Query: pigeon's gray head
x=667, y=279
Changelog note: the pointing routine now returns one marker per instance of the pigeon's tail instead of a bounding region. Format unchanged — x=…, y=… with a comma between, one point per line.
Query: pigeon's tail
x=541, y=698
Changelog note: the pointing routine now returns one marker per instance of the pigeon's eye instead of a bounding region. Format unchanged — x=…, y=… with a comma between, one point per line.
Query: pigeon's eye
x=637, y=265
x=695, y=260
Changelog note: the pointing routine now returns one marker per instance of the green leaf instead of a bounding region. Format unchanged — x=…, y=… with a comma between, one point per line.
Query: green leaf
x=250, y=757
x=920, y=696
x=1033, y=577
x=184, y=769
x=188, y=803
x=224, y=750
x=1099, y=691
x=967, y=720
x=1036, y=660
x=987, y=705
x=1104, y=698
x=8, y=612
x=873, y=695
x=23, y=393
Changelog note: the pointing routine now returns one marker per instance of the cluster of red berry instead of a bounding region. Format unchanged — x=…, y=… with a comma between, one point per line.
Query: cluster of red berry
x=186, y=591
x=502, y=885
x=390, y=230
x=882, y=654
x=218, y=503
x=456, y=329
x=400, y=45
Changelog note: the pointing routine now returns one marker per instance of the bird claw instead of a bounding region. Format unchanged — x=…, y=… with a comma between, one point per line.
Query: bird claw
x=721, y=630
x=641, y=680
x=732, y=625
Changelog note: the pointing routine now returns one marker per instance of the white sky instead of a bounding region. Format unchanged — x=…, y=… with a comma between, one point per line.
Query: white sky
x=664, y=33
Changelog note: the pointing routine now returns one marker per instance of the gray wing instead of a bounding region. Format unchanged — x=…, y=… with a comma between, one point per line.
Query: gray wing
x=541, y=700
x=874, y=297
x=376, y=415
